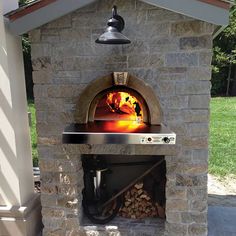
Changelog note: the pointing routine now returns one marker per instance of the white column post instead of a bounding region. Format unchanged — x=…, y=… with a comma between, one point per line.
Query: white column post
x=18, y=203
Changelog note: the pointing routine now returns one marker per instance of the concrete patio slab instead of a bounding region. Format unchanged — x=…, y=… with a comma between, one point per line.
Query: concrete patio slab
x=221, y=221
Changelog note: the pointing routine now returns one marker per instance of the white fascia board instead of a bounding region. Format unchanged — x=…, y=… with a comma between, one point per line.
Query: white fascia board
x=44, y=15
x=195, y=9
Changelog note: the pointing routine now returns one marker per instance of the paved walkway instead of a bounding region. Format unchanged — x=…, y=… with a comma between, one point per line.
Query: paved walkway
x=221, y=221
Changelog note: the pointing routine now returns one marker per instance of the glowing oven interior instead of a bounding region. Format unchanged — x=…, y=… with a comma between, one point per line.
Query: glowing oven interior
x=121, y=110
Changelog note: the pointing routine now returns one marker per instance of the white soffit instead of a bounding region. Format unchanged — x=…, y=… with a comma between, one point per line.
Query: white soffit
x=192, y=8
x=45, y=15
x=195, y=9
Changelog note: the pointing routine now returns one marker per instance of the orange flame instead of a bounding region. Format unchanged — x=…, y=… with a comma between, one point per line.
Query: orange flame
x=124, y=103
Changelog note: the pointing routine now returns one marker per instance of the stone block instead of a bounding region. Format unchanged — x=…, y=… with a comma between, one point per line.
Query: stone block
x=164, y=88
x=51, y=212
x=182, y=59
x=67, y=190
x=49, y=189
x=191, y=28
x=191, y=180
x=164, y=44
x=193, y=43
x=145, y=60
x=198, y=205
x=35, y=36
x=63, y=91
x=137, y=46
x=48, y=200
x=45, y=130
x=55, y=232
x=193, y=168
x=199, y=73
x=173, y=217
x=197, y=193
x=73, y=34
x=200, y=155
x=176, y=205
x=50, y=39
x=197, y=230
x=197, y=129
x=62, y=22
x=199, y=101
x=193, y=87
x=40, y=91
x=40, y=50
x=193, y=217
x=151, y=31
x=49, y=177
x=176, y=193
x=53, y=223
x=41, y=63
x=47, y=165
x=191, y=116
x=159, y=15
x=42, y=77
x=85, y=19
x=173, y=229
x=205, y=58
x=69, y=202
x=174, y=102
x=68, y=178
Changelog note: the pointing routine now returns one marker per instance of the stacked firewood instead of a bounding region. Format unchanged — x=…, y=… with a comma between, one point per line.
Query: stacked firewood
x=138, y=204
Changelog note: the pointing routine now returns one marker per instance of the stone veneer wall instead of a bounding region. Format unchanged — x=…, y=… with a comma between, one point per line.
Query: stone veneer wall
x=170, y=52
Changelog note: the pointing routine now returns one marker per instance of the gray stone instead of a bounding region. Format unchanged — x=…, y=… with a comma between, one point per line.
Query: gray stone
x=197, y=230
x=199, y=101
x=63, y=22
x=193, y=87
x=194, y=217
x=205, y=58
x=173, y=229
x=182, y=59
x=191, y=116
x=189, y=43
x=197, y=129
x=199, y=73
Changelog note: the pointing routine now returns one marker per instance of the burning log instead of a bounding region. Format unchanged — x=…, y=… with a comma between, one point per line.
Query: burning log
x=138, y=204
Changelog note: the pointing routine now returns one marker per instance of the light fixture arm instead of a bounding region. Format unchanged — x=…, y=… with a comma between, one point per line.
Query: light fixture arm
x=116, y=21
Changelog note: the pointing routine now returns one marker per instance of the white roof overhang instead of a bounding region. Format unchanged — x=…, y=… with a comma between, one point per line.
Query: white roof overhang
x=193, y=8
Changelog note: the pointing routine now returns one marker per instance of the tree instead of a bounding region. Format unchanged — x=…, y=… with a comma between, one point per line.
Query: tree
x=224, y=63
x=27, y=59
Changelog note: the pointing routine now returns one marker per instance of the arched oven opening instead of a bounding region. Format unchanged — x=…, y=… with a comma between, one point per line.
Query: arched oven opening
x=118, y=109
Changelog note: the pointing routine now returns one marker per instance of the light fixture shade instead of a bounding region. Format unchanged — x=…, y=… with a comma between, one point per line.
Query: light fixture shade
x=113, y=37
x=113, y=33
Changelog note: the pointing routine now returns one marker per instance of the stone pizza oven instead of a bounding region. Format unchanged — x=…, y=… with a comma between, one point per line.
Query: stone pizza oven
x=169, y=55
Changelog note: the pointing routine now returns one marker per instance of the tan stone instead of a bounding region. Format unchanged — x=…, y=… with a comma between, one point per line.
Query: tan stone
x=197, y=230
x=173, y=229
x=51, y=212
x=176, y=205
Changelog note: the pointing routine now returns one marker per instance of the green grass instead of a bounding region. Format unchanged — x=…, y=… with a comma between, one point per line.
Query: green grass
x=33, y=133
x=223, y=137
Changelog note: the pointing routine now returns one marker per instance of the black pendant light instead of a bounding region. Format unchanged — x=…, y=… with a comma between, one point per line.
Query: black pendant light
x=113, y=33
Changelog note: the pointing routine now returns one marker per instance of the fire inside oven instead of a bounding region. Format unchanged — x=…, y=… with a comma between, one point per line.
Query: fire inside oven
x=121, y=111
